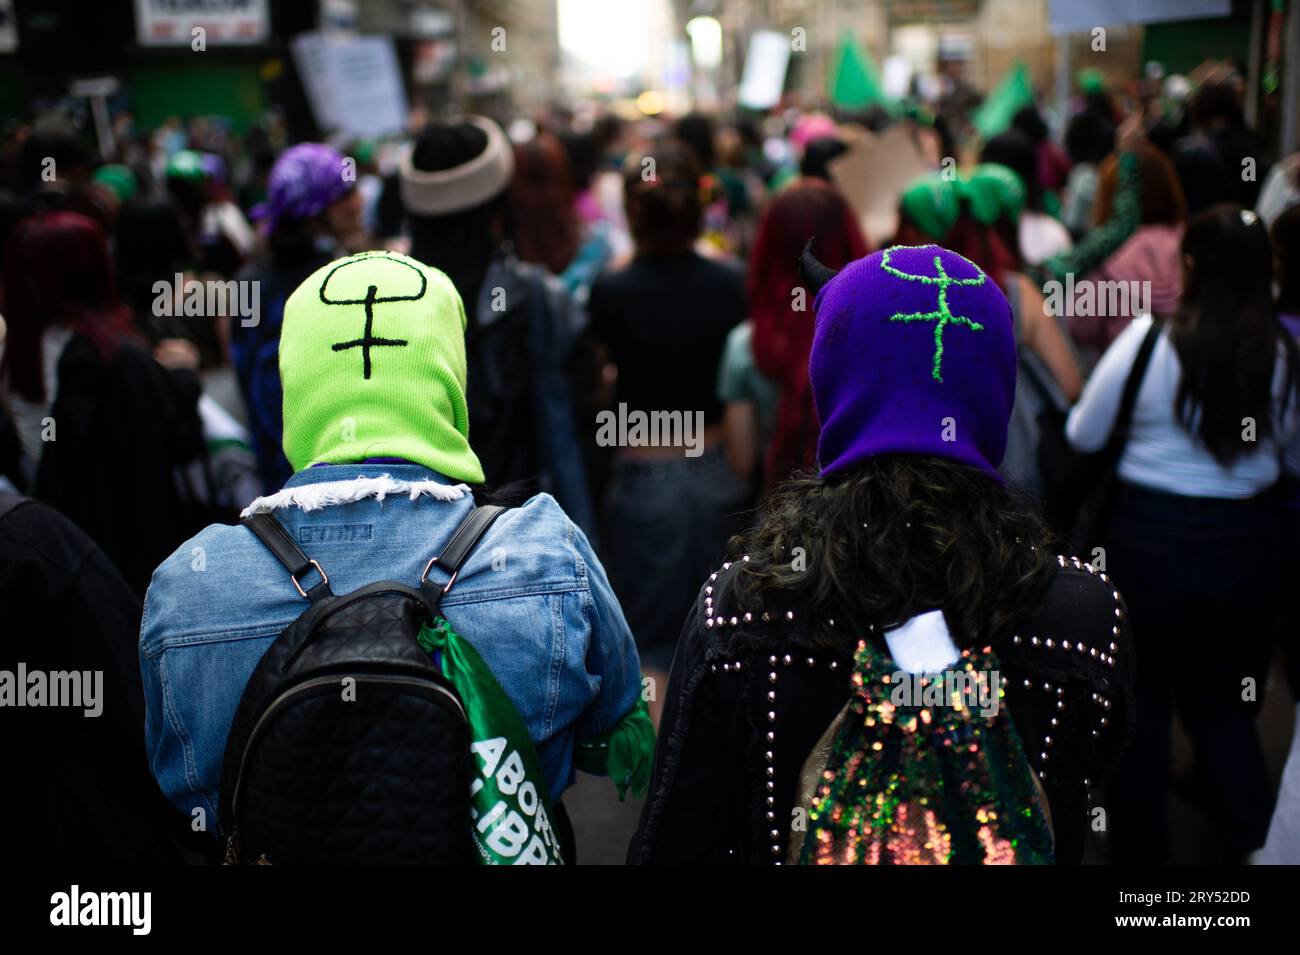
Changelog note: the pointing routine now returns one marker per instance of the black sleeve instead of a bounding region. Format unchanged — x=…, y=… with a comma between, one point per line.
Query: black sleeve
x=86, y=793
x=183, y=390
x=389, y=211
x=741, y=308
x=690, y=816
x=1072, y=708
x=598, y=311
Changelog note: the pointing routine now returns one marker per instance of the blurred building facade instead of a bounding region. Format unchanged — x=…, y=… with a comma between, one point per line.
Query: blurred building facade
x=507, y=58
x=987, y=36
x=489, y=55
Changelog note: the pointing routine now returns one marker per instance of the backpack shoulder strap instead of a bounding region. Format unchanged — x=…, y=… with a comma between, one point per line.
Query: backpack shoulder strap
x=458, y=549
x=278, y=541
x=272, y=533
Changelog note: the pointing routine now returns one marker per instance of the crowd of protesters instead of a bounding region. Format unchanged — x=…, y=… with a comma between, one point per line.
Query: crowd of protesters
x=819, y=488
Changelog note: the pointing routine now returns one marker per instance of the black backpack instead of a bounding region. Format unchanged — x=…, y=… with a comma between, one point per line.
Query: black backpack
x=349, y=745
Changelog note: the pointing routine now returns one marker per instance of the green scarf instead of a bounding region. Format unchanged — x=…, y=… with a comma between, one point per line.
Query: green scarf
x=510, y=804
x=624, y=753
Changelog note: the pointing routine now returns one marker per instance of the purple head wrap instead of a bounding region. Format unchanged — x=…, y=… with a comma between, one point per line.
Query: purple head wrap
x=305, y=181
x=914, y=353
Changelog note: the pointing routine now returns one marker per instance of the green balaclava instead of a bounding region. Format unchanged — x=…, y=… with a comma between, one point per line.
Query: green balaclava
x=993, y=192
x=372, y=360
x=930, y=201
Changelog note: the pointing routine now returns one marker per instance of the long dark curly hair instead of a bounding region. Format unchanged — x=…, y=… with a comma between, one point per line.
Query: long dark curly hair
x=898, y=536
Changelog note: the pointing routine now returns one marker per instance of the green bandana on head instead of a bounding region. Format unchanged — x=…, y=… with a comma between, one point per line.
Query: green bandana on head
x=930, y=201
x=372, y=360
x=993, y=192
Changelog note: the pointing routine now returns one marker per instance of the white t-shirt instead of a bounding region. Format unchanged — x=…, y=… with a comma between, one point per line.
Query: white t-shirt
x=1042, y=237
x=1161, y=453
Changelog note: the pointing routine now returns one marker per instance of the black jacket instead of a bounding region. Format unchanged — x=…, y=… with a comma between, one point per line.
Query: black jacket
x=78, y=788
x=123, y=429
x=749, y=697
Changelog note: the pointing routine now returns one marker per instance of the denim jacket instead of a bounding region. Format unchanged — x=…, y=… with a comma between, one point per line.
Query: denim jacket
x=532, y=599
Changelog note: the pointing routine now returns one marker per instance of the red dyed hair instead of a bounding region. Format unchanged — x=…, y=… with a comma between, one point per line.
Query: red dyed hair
x=782, y=339
x=986, y=246
x=57, y=271
x=806, y=209
x=541, y=204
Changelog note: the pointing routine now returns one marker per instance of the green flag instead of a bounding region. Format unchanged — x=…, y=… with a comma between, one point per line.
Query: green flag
x=855, y=84
x=1012, y=92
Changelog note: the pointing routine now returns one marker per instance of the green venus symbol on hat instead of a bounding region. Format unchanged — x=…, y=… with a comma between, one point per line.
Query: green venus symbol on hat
x=368, y=280
x=941, y=316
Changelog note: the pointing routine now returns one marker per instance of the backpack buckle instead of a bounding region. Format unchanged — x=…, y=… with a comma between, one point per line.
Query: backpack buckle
x=324, y=579
x=424, y=575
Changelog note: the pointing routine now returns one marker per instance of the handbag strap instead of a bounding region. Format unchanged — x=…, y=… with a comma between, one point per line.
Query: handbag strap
x=1128, y=401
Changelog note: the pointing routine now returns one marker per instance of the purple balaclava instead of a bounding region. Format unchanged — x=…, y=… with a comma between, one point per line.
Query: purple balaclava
x=305, y=181
x=914, y=353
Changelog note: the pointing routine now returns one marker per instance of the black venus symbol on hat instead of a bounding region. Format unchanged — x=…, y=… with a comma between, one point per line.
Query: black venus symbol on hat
x=371, y=299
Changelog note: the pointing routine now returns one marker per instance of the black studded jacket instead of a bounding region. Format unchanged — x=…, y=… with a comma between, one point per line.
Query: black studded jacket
x=750, y=695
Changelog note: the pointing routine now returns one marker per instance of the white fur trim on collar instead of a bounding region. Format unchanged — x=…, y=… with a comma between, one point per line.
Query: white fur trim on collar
x=312, y=497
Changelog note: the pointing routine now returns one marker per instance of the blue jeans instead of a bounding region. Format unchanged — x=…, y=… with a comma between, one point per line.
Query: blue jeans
x=666, y=529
